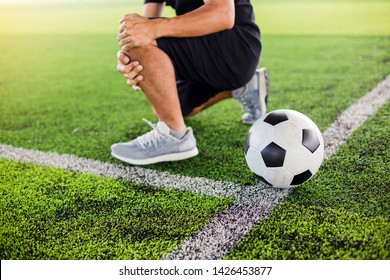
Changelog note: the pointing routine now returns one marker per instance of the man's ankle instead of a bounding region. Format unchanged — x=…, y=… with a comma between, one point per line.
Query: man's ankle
x=178, y=134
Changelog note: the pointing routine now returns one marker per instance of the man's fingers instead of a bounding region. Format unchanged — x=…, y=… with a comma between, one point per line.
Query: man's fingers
x=137, y=88
x=118, y=54
x=121, y=36
x=129, y=45
x=132, y=74
x=121, y=29
x=122, y=32
x=131, y=67
x=129, y=17
x=134, y=82
x=121, y=68
x=122, y=58
x=125, y=17
x=126, y=41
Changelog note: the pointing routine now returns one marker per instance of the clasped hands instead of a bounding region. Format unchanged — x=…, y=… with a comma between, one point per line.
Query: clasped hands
x=134, y=32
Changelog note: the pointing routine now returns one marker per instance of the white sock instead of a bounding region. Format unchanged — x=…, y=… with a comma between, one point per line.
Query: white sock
x=178, y=134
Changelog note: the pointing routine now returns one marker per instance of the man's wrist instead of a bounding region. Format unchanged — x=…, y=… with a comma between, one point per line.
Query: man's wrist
x=159, y=27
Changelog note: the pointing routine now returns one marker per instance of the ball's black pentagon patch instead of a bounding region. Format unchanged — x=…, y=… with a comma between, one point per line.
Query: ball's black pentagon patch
x=262, y=179
x=310, y=140
x=273, y=155
x=247, y=143
x=276, y=117
x=301, y=178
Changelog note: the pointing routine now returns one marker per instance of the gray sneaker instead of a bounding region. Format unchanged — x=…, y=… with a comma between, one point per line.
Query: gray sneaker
x=156, y=146
x=254, y=96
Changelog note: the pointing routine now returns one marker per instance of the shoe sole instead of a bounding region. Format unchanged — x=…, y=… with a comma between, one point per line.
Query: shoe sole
x=162, y=158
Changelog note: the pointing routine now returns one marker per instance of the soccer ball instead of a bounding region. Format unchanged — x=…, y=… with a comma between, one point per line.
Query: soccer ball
x=284, y=148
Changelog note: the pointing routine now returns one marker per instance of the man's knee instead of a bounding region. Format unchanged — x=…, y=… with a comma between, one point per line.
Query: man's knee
x=137, y=53
x=140, y=52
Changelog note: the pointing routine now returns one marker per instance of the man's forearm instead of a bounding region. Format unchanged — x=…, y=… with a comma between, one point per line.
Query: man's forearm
x=212, y=17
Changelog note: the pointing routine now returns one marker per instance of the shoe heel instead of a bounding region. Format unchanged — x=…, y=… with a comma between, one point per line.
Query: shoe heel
x=264, y=89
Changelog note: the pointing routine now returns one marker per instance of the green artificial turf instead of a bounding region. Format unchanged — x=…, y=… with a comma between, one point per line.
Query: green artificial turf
x=342, y=213
x=60, y=91
x=357, y=178
x=73, y=101
x=48, y=213
x=295, y=232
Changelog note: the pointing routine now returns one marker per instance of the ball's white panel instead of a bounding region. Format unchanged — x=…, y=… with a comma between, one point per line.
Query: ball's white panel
x=278, y=177
x=298, y=160
x=318, y=158
x=300, y=119
x=287, y=134
x=260, y=135
x=304, y=121
x=255, y=161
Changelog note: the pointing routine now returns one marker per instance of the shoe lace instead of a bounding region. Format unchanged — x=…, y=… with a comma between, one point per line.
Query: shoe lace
x=248, y=104
x=151, y=137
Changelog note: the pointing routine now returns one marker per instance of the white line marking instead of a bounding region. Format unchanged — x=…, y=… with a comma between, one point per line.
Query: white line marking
x=252, y=205
x=352, y=118
x=202, y=186
x=224, y=232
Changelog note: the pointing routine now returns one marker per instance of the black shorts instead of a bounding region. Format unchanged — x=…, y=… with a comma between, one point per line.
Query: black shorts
x=207, y=65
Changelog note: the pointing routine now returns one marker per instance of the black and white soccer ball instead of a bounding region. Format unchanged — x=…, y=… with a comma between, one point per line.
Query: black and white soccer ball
x=284, y=148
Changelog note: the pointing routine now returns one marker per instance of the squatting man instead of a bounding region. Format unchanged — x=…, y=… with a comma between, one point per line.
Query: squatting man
x=185, y=64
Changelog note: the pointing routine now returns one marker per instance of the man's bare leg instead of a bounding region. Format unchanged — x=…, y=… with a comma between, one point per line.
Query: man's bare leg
x=170, y=139
x=159, y=84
